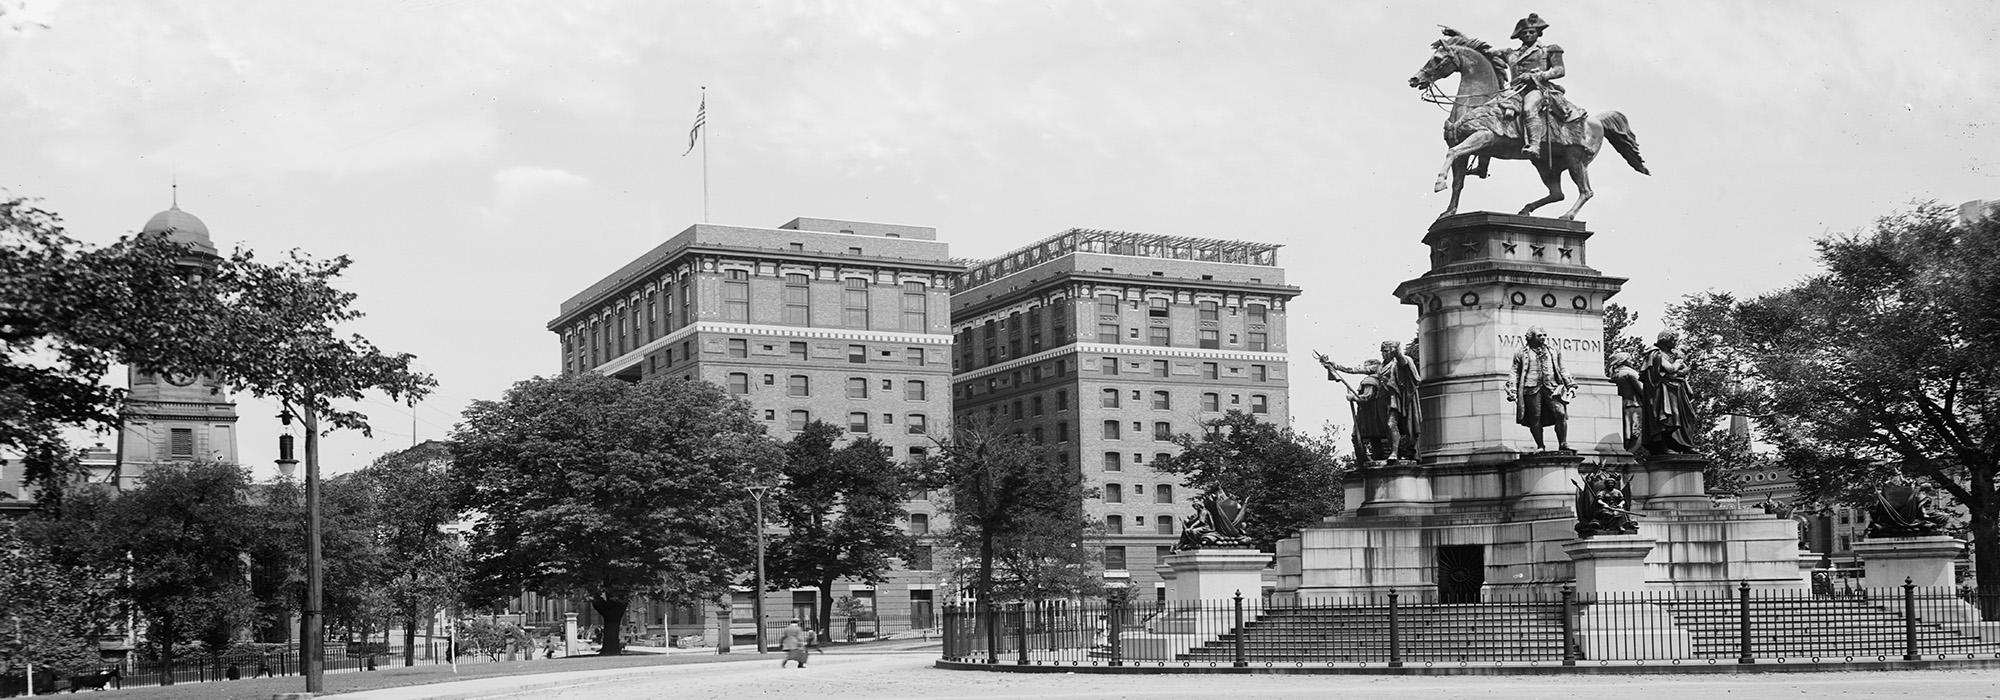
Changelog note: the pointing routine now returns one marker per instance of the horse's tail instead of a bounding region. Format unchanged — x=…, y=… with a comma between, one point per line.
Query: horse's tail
x=1619, y=133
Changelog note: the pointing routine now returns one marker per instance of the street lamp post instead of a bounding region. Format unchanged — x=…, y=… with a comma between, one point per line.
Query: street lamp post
x=757, y=492
x=312, y=661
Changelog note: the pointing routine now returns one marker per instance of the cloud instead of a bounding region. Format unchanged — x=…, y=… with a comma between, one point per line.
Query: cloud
x=521, y=185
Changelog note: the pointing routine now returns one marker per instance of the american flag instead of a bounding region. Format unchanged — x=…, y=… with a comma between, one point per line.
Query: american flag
x=700, y=118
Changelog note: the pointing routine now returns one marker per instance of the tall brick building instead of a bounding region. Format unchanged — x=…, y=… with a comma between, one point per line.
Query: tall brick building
x=841, y=321
x=1105, y=344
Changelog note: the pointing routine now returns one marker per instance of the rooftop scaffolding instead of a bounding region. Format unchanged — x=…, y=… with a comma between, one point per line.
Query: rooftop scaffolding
x=1147, y=245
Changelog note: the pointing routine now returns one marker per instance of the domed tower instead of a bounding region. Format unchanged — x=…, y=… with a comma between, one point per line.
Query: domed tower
x=169, y=417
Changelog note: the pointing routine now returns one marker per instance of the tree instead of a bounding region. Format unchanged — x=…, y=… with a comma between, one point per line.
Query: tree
x=592, y=487
x=412, y=493
x=840, y=508
x=179, y=540
x=51, y=612
x=1883, y=364
x=1014, y=508
x=1288, y=480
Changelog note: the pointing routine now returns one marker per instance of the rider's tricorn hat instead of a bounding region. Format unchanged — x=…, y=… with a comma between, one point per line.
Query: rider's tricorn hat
x=1532, y=21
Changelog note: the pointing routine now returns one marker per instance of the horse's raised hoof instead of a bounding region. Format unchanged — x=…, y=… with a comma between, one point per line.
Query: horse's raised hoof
x=1439, y=187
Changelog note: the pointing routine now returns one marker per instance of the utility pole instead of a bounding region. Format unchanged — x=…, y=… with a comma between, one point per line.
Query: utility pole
x=312, y=659
x=757, y=594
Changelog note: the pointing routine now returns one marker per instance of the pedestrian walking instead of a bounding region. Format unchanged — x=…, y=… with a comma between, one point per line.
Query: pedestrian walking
x=793, y=642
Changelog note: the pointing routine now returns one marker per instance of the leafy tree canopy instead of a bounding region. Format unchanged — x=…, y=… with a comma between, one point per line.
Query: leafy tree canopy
x=841, y=508
x=1289, y=480
x=593, y=487
x=1014, y=509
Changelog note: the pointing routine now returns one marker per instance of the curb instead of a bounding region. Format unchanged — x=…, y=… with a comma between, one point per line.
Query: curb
x=1428, y=669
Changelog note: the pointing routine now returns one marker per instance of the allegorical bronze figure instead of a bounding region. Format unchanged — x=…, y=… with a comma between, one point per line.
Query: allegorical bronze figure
x=1387, y=410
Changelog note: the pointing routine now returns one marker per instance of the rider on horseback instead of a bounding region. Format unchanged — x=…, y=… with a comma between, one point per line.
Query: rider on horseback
x=1534, y=68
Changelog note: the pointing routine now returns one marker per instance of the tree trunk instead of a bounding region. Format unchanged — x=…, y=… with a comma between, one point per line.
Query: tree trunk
x=611, y=614
x=410, y=637
x=1985, y=526
x=983, y=615
x=166, y=639
x=824, y=616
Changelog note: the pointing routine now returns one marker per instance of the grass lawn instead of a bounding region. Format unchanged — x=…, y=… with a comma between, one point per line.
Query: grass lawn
x=423, y=673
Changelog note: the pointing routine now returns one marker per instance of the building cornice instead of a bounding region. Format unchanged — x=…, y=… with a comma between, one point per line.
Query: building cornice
x=1110, y=348
x=759, y=330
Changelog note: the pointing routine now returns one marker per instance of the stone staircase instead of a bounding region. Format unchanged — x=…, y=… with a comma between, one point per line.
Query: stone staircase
x=1472, y=632
x=1803, y=628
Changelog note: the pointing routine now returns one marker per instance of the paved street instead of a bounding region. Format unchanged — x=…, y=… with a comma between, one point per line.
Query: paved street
x=911, y=676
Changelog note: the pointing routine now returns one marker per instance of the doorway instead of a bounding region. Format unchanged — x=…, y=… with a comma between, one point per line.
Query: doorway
x=1461, y=572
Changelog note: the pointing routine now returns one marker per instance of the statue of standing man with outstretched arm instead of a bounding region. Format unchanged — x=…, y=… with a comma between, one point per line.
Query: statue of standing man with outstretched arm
x=1399, y=417
x=1541, y=389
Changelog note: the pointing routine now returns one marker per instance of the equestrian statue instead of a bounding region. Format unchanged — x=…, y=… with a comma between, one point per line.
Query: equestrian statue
x=1523, y=117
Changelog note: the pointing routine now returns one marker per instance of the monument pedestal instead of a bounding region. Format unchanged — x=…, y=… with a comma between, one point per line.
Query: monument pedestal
x=1671, y=482
x=1925, y=561
x=1201, y=589
x=1610, y=563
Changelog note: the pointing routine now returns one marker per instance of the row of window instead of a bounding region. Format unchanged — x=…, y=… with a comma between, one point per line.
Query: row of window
x=800, y=351
x=1115, y=461
x=1163, y=336
x=913, y=423
x=1115, y=524
x=1163, y=401
x=628, y=325
x=857, y=387
x=1165, y=368
x=1115, y=493
x=798, y=295
x=1162, y=430
x=1114, y=556
x=1156, y=307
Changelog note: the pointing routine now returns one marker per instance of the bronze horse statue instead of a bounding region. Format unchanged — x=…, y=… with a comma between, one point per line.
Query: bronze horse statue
x=1478, y=127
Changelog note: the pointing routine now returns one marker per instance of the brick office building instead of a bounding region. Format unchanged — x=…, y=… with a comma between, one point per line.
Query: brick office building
x=1105, y=344
x=841, y=321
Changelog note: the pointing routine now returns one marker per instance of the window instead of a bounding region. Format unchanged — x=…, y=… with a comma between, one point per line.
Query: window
x=1161, y=336
x=1115, y=524
x=916, y=307
x=1258, y=313
x=798, y=300
x=920, y=524
x=1062, y=400
x=920, y=560
x=1160, y=554
x=180, y=443
x=770, y=380
x=1159, y=457
x=1209, y=370
x=1111, y=430
x=1114, y=493
x=1108, y=365
x=857, y=422
x=1258, y=405
x=1016, y=413
x=913, y=390
x=1156, y=307
x=913, y=356
x=1163, y=493
x=1162, y=400
x=1036, y=403
x=1107, y=305
x=798, y=421
x=1114, y=556
x=667, y=301
x=739, y=347
x=798, y=385
x=796, y=350
x=1037, y=433
x=1114, y=462
x=1259, y=373
x=739, y=383
x=652, y=317
x=736, y=295
x=857, y=387
x=1162, y=368
x=1163, y=525
x=854, y=303
x=621, y=332
x=687, y=302
x=1163, y=431
x=1107, y=333
x=914, y=425
x=1211, y=402
x=857, y=354
x=1206, y=311
x=1259, y=343
x=1062, y=432
x=1110, y=399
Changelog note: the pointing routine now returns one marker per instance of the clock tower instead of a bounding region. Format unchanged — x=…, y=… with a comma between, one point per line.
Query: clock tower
x=168, y=417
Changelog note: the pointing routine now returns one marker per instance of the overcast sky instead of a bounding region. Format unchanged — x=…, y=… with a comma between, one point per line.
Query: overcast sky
x=482, y=161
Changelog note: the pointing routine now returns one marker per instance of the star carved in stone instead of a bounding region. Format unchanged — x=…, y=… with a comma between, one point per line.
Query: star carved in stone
x=1471, y=248
x=1565, y=252
x=1538, y=249
x=1507, y=247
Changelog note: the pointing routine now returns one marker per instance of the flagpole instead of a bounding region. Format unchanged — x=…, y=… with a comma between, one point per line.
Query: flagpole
x=704, y=156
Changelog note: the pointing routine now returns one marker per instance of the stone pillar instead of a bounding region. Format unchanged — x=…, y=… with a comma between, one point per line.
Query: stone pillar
x=1925, y=561
x=1217, y=574
x=1201, y=590
x=723, y=634
x=1394, y=488
x=1670, y=482
x=1610, y=563
x=571, y=643
x=1540, y=481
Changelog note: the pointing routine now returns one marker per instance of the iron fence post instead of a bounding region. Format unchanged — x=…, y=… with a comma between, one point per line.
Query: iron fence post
x=1112, y=623
x=1909, y=620
x=1395, y=633
x=1569, y=625
x=1240, y=661
x=1021, y=610
x=1743, y=655
x=950, y=630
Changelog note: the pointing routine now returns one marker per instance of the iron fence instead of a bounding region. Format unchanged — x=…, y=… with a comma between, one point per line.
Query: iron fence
x=1741, y=625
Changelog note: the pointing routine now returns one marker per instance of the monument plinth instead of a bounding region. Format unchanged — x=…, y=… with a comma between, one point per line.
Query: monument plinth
x=1514, y=403
x=1924, y=561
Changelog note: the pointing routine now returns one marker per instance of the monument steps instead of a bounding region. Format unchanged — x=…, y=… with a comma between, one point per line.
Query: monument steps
x=1360, y=634
x=1807, y=627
